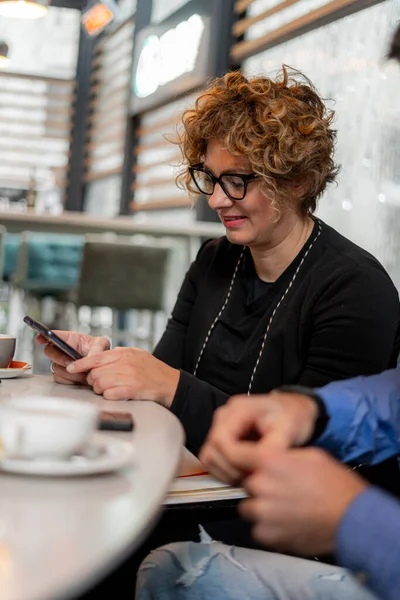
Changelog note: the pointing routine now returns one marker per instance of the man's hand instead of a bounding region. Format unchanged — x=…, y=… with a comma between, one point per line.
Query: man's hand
x=128, y=373
x=298, y=499
x=275, y=421
x=86, y=345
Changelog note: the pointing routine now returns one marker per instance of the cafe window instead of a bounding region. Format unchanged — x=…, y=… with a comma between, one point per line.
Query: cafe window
x=37, y=91
x=157, y=160
x=110, y=84
x=345, y=61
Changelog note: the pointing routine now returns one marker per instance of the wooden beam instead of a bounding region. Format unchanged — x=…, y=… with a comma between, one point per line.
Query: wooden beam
x=143, y=147
x=242, y=5
x=51, y=80
x=162, y=204
x=102, y=174
x=109, y=94
x=10, y=162
x=95, y=158
x=240, y=27
x=153, y=183
x=147, y=129
x=96, y=134
x=115, y=113
x=324, y=14
x=58, y=125
x=142, y=168
x=33, y=136
x=113, y=138
x=69, y=97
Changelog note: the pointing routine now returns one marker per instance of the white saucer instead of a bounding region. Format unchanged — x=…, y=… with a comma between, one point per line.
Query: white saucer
x=103, y=454
x=11, y=372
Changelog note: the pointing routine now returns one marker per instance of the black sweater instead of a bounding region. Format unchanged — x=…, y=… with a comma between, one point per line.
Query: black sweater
x=339, y=319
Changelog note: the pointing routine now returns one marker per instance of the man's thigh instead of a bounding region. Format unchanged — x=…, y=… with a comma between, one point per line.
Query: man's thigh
x=188, y=570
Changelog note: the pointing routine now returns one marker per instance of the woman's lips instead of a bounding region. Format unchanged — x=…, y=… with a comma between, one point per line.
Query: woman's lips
x=234, y=221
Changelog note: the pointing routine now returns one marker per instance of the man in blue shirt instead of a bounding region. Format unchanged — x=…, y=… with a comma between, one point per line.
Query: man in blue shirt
x=301, y=501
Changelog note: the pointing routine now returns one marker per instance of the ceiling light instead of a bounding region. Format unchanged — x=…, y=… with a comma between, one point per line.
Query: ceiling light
x=23, y=9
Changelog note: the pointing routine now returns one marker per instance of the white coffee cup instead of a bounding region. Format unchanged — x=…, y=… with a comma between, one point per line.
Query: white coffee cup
x=7, y=349
x=38, y=427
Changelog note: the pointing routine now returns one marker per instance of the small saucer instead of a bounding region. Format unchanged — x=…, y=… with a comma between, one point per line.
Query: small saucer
x=16, y=369
x=102, y=454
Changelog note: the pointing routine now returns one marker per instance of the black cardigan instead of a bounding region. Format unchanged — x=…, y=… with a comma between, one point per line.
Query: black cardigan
x=339, y=319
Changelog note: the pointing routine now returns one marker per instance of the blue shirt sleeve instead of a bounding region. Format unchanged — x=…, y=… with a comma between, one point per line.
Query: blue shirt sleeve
x=364, y=418
x=368, y=542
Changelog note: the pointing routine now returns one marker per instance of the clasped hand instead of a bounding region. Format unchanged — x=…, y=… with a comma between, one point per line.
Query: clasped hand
x=297, y=498
x=118, y=374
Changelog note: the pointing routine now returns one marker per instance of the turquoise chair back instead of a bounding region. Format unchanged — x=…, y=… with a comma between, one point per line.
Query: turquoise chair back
x=48, y=264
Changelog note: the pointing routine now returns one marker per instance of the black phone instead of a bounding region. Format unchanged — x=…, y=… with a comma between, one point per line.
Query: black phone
x=115, y=421
x=51, y=337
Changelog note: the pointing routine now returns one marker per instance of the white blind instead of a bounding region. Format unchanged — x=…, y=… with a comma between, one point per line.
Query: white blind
x=35, y=129
x=110, y=81
x=157, y=159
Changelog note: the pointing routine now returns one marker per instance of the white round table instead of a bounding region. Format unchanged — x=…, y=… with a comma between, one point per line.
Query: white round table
x=59, y=536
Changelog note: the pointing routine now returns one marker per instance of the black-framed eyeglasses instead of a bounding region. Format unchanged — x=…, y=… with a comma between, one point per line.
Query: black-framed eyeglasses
x=234, y=185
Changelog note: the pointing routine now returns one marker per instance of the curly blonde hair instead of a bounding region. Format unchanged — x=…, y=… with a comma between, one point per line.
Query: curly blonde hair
x=281, y=125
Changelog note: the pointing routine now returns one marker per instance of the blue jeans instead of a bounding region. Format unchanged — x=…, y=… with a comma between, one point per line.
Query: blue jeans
x=214, y=571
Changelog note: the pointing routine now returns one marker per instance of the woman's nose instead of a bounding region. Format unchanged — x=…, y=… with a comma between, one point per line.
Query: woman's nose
x=219, y=199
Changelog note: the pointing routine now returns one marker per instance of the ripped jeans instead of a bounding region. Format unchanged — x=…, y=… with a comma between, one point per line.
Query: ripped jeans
x=211, y=570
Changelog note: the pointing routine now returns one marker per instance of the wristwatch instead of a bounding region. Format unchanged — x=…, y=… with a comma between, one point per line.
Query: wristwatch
x=322, y=416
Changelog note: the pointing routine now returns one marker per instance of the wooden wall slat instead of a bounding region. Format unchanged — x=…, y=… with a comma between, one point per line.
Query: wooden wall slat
x=242, y=5
x=96, y=158
x=161, y=205
x=240, y=27
x=168, y=161
x=95, y=175
x=244, y=49
x=150, y=146
x=153, y=183
x=113, y=138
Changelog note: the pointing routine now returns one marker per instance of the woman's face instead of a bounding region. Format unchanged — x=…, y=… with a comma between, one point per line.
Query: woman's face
x=251, y=221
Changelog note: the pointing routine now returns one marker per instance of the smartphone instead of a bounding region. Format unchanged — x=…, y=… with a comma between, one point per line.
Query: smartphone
x=51, y=337
x=115, y=421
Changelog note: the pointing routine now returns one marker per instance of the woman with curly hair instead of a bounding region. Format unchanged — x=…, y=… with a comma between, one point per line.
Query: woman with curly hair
x=282, y=298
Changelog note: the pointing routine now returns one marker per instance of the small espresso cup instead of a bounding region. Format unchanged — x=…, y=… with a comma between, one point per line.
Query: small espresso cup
x=54, y=428
x=7, y=349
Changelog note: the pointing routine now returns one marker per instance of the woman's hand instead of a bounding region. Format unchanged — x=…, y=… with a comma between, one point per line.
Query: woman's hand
x=86, y=345
x=128, y=373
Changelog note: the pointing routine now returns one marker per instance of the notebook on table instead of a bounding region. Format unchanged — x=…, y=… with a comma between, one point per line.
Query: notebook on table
x=194, y=484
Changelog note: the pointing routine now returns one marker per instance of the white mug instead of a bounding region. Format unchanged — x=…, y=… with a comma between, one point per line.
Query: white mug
x=38, y=427
x=7, y=349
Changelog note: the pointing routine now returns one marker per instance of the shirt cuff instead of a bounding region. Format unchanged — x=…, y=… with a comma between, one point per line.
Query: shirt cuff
x=367, y=540
x=338, y=431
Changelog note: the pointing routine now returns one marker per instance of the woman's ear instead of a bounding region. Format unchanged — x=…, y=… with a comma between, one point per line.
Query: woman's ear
x=298, y=188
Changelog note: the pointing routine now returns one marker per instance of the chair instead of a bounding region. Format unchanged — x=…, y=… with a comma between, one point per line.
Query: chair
x=125, y=276
x=3, y=233
x=46, y=266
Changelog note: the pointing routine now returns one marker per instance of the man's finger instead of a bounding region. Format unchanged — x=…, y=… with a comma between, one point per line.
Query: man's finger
x=242, y=456
x=219, y=467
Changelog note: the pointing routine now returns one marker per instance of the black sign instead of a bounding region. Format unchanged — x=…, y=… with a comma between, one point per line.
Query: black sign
x=175, y=56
